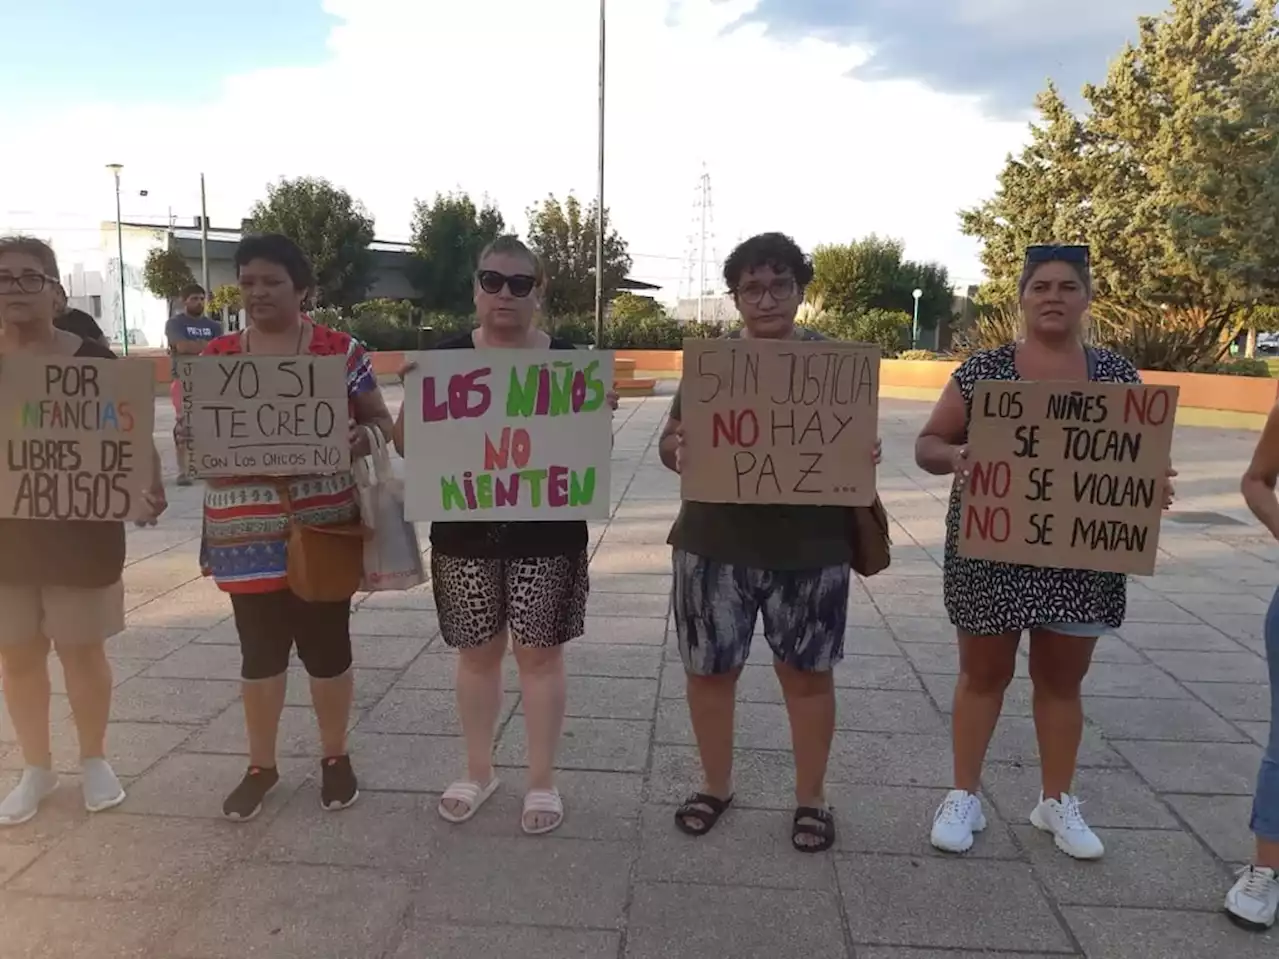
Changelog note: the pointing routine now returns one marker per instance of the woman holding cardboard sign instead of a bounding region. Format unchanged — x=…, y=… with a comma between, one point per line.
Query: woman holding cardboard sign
x=992, y=603
x=519, y=583
x=265, y=539
x=59, y=579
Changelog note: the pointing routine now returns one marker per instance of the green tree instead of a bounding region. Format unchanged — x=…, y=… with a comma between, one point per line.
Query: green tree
x=564, y=237
x=166, y=272
x=448, y=235
x=1171, y=177
x=851, y=279
x=628, y=306
x=333, y=230
x=226, y=297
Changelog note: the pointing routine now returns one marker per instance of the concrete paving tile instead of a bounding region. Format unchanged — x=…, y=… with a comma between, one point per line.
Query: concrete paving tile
x=1216, y=667
x=614, y=745
x=1112, y=649
x=419, y=598
x=296, y=912
x=1015, y=742
x=198, y=661
x=384, y=651
x=1111, y=933
x=947, y=903
x=1157, y=611
x=1142, y=867
x=864, y=614
x=59, y=814
x=1234, y=701
x=430, y=712
x=632, y=558
x=1196, y=637
x=763, y=779
x=625, y=630
x=1244, y=627
x=897, y=820
x=198, y=604
x=384, y=830
x=680, y=921
x=371, y=685
x=149, y=643
x=623, y=662
x=597, y=805
x=428, y=938
x=38, y=927
x=886, y=710
x=417, y=623
x=1017, y=697
x=121, y=856
x=933, y=658
x=1169, y=719
x=894, y=952
x=644, y=605
x=1202, y=604
x=406, y=763
x=1258, y=731
x=1111, y=797
x=749, y=847
x=646, y=584
x=923, y=604
x=194, y=785
x=1119, y=679
x=1222, y=768
x=870, y=641
x=438, y=670
x=918, y=629
x=756, y=725
x=144, y=699
x=597, y=697
x=131, y=747
x=298, y=736
x=14, y=857
x=547, y=882
x=1221, y=822
x=891, y=759
x=875, y=672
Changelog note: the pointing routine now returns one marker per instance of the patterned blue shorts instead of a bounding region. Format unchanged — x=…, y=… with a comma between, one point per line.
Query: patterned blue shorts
x=716, y=605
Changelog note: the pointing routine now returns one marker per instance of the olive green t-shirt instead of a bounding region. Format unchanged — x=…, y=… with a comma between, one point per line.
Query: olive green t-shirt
x=763, y=536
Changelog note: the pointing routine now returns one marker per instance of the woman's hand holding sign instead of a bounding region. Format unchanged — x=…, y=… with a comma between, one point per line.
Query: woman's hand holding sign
x=1169, y=487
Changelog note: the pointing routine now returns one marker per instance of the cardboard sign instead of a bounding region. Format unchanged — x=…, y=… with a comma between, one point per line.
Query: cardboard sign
x=1067, y=475
x=503, y=435
x=77, y=437
x=779, y=421
x=265, y=415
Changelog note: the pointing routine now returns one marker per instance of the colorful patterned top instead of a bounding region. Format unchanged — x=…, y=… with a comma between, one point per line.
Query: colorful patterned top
x=246, y=528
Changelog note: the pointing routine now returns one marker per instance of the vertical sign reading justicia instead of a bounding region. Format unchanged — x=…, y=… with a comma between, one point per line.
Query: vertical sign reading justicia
x=503, y=435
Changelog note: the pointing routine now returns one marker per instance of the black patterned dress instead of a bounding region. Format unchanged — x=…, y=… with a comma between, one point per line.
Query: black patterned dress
x=987, y=598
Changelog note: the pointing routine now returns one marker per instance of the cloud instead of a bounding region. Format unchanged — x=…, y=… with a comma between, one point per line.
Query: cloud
x=1001, y=51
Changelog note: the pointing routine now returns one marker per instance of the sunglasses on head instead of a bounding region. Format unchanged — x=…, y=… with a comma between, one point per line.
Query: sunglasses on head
x=520, y=284
x=1058, y=253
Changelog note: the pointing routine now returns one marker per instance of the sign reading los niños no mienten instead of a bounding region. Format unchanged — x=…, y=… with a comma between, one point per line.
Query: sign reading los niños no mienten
x=77, y=437
x=504, y=435
x=1067, y=475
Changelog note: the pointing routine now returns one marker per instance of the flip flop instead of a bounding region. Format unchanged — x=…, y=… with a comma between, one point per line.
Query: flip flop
x=703, y=809
x=542, y=800
x=466, y=791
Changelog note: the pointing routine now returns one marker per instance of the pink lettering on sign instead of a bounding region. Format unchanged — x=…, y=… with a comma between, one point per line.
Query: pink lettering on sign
x=466, y=397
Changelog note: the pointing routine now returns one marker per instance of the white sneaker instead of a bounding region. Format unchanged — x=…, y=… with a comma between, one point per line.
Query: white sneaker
x=24, y=801
x=1251, y=903
x=1071, y=833
x=955, y=822
x=102, y=790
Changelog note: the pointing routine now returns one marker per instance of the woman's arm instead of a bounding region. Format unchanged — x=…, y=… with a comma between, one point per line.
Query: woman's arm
x=1259, y=482
x=669, y=444
x=370, y=410
x=939, y=447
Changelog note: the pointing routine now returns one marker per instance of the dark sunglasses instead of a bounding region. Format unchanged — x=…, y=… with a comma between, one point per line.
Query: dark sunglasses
x=520, y=284
x=1077, y=253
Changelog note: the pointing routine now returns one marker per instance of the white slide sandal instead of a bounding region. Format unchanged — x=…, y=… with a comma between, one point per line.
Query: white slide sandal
x=466, y=791
x=542, y=800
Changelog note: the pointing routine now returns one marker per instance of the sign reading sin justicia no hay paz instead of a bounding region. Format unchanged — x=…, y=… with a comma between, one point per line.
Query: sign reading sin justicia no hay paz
x=505, y=435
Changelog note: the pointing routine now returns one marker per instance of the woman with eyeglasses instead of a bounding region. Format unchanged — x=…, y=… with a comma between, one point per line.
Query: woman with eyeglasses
x=522, y=584
x=60, y=580
x=991, y=604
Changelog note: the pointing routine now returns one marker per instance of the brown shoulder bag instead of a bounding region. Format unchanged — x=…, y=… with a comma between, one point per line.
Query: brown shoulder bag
x=324, y=563
x=869, y=537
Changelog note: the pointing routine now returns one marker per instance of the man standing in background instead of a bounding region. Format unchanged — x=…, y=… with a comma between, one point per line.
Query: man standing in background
x=76, y=321
x=187, y=333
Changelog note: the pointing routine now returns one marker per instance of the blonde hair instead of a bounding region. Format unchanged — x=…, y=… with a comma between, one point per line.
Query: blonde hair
x=512, y=245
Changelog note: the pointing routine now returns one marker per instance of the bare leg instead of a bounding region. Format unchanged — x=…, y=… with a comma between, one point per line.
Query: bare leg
x=25, y=670
x=331, y=700
x=986, y=668
x=1058, y=667
x=88, y=677
x=479, y=691
x=811, y=707
x=711, y=702
x=263, y=704
x=543, y=685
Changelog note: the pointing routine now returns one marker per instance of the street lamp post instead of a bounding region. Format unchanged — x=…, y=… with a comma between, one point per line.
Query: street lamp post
x=915, y=316
x=600, y=224
x=115, y=169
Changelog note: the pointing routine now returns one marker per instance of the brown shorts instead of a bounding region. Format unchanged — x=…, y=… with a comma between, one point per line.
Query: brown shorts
x=65, y=615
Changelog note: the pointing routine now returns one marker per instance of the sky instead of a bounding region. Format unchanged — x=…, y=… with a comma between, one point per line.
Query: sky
x=825, y=119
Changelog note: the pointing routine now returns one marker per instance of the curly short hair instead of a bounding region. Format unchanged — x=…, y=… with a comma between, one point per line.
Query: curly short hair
x=775, y=250
x=283, y=252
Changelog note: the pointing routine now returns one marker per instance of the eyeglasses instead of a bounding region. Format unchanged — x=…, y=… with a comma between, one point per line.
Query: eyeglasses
x=783, y=288
x=520, y=284
x=24, y=282
x=1077, y=253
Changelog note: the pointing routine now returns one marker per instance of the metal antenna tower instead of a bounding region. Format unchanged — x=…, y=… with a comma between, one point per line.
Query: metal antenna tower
x=702, y=250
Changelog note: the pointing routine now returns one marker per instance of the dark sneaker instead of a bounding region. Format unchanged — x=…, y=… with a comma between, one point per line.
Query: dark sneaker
x=245, y=800
x=338, y=787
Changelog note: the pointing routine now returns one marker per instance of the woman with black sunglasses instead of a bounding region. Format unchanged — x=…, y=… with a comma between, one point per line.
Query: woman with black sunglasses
x=991, y=603
x=523, y=584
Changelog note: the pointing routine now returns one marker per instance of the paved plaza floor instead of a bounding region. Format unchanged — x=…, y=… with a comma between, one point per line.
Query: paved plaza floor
x=1177, y=706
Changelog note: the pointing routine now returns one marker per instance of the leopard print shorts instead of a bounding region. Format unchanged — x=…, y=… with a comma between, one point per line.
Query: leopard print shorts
x=542, y=600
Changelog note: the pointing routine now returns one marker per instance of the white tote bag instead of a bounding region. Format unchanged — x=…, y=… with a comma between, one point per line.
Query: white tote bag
x=392, y=555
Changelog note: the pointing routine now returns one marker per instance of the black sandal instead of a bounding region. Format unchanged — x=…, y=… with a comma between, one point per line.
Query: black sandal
x=825, y=829
x=692, y=809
